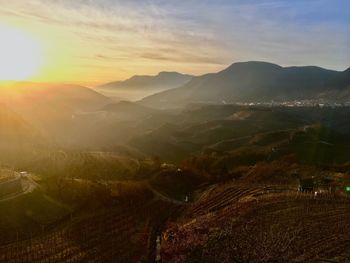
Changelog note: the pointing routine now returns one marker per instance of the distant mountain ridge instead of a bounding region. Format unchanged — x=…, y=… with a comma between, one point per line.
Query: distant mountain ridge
x=256, y=81
x=163, y=78
x=139, y=86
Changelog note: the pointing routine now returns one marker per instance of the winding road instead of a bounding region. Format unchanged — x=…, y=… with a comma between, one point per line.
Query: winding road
x=28, y=186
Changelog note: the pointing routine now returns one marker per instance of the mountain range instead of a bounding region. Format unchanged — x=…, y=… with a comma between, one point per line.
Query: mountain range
x=256, y=81
x=138, y=87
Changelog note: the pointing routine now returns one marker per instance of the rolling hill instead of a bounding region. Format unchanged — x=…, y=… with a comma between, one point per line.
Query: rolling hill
x=50, y=108
x=65, y=97
x=256, y=82
x=247, y=133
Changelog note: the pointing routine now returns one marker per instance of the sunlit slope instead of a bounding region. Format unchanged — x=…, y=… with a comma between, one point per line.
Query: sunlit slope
x=17, y=136
x=48, y=107
x=26, y=96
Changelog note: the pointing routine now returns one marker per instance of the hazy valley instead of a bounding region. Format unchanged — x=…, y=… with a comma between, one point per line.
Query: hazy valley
x=174, y=131
x=191, y=174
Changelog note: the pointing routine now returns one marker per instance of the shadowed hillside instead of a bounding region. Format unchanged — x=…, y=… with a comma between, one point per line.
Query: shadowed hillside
x=255, y=82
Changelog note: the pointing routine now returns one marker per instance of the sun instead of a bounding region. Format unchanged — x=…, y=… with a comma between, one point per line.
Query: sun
x=20, y=54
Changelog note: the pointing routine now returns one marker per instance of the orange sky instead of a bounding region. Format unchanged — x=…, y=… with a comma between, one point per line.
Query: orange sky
x=91, y=42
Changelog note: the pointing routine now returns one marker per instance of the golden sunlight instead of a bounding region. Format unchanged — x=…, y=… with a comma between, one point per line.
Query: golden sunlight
x=21, y=54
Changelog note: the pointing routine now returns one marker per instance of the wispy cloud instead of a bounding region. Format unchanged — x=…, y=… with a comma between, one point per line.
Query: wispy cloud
x=195, y=36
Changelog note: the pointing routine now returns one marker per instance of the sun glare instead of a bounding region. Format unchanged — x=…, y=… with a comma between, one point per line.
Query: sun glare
x=20, y=54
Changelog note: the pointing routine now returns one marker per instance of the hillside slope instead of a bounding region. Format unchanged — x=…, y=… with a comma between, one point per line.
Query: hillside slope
x=50, y=108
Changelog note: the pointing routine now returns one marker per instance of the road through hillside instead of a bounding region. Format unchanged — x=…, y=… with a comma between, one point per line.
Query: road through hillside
x=28, y=186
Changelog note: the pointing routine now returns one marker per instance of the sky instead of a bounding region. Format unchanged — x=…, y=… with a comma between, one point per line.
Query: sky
x=91, y=42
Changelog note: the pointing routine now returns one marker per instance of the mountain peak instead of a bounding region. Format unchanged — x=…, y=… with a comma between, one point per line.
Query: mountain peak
x=169, y=73
x=253, y=65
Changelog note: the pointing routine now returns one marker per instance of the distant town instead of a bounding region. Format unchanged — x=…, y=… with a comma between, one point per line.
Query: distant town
x=296, y=103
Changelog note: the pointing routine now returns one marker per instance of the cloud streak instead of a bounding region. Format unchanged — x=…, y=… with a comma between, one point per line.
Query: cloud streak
x=194, y=36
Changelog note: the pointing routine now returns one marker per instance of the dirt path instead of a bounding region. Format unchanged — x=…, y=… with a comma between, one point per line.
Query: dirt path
x=158, y=249
x=160, y=196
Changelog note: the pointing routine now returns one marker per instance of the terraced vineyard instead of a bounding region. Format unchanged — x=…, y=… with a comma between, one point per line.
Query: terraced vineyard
x=223, y=196
x=118, y=234
x=273, y=226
